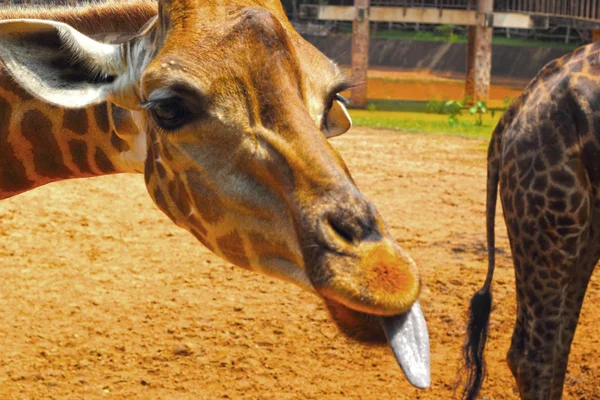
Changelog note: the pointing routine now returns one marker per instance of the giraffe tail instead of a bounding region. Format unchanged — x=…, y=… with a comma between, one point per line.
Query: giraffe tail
x=474, y=368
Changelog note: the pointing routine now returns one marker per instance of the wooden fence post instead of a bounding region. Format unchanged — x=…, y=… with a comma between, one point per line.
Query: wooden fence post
x=479, y=55
x=360, y=52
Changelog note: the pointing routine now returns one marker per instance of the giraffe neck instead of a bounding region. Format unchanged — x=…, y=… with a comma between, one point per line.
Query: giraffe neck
x=41, y=143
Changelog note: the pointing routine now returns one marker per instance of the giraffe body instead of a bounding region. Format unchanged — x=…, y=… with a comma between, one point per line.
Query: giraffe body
x=226, y=111
x=545, y=157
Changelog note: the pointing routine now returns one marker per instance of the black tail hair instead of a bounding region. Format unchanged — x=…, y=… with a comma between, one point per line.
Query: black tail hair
x=474, y=369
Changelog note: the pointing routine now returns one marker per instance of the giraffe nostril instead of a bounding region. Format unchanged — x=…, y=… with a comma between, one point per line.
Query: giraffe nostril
x=348, y=226
x=343, y=230
x=344, y=220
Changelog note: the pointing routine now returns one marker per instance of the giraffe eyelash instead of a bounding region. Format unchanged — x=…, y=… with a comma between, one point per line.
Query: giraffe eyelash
x=344, y=100
x=169, y=114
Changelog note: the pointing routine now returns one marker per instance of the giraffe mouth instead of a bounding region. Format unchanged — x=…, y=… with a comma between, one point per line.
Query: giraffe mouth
x=405, y=333
x=371, y=289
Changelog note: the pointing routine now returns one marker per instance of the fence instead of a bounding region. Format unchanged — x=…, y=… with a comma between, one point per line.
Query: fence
x=583, y=9
x=454, y=4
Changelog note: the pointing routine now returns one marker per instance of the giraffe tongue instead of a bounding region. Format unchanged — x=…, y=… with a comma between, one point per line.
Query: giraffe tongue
x=408, y=337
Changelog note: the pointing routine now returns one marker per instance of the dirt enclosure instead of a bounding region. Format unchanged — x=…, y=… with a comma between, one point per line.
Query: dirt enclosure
x=397, y=84
x=102, y=297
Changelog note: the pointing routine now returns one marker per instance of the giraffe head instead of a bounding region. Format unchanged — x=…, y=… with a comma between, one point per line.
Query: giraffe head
x=234, y=111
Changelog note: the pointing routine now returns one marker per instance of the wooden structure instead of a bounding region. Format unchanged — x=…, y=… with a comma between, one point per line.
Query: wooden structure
x=360, y=52
x=479, y=55
x=481, y=16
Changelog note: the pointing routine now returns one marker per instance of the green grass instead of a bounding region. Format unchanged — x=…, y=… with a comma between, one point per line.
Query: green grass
x=461, y=38
x=411, y=106
x=426, y=123
x=430, y=36
x=415, y=106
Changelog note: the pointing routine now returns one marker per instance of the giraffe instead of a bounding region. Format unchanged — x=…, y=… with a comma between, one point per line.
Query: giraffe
x=543, y=156
x=227, y=112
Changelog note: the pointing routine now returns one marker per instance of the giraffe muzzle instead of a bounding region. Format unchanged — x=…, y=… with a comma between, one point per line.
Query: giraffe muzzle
x=370, y=284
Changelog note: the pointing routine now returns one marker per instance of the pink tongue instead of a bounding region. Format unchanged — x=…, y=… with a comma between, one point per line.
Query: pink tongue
x=408, y=337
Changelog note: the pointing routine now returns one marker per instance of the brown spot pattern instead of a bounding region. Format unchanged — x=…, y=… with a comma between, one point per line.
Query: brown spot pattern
x=206, y=200
x=76, y=121
x=180, y=196
x=159, y=199
x=198, y=235
x=123, y=123
x=162, y=172
x=232, y=247
x=13, y=177
x=101, y=116
x=118, y=143
x=184, y=203
x=79, y=151
x=268, y=246
x=102, y=161
x=47, y=158
x=197, y=225
x=148, y=166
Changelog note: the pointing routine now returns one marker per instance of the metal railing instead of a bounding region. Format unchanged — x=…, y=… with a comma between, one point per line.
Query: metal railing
x=584, y=9
x=454, y=4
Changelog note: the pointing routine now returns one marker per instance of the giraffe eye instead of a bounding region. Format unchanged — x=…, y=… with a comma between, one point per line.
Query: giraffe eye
x=170, y=114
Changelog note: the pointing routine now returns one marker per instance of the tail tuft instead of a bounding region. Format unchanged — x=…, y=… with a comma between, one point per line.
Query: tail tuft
x=474, y=368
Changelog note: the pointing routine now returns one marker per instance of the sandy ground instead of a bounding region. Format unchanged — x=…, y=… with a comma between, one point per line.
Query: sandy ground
x=102, y=297
x=424, y=90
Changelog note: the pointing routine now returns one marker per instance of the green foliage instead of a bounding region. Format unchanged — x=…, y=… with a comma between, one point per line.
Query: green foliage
x=371, y=107
x=478, y=110
x=453, y=108
x=435, y=107
x=420, y=35
x=445, y=31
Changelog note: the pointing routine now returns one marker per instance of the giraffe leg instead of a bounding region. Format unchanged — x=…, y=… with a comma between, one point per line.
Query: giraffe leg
x=554, y=254
x=542, y=338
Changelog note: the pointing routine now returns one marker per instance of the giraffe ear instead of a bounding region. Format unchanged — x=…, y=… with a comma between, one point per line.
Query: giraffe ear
x=338, y=120
x=58, y=64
